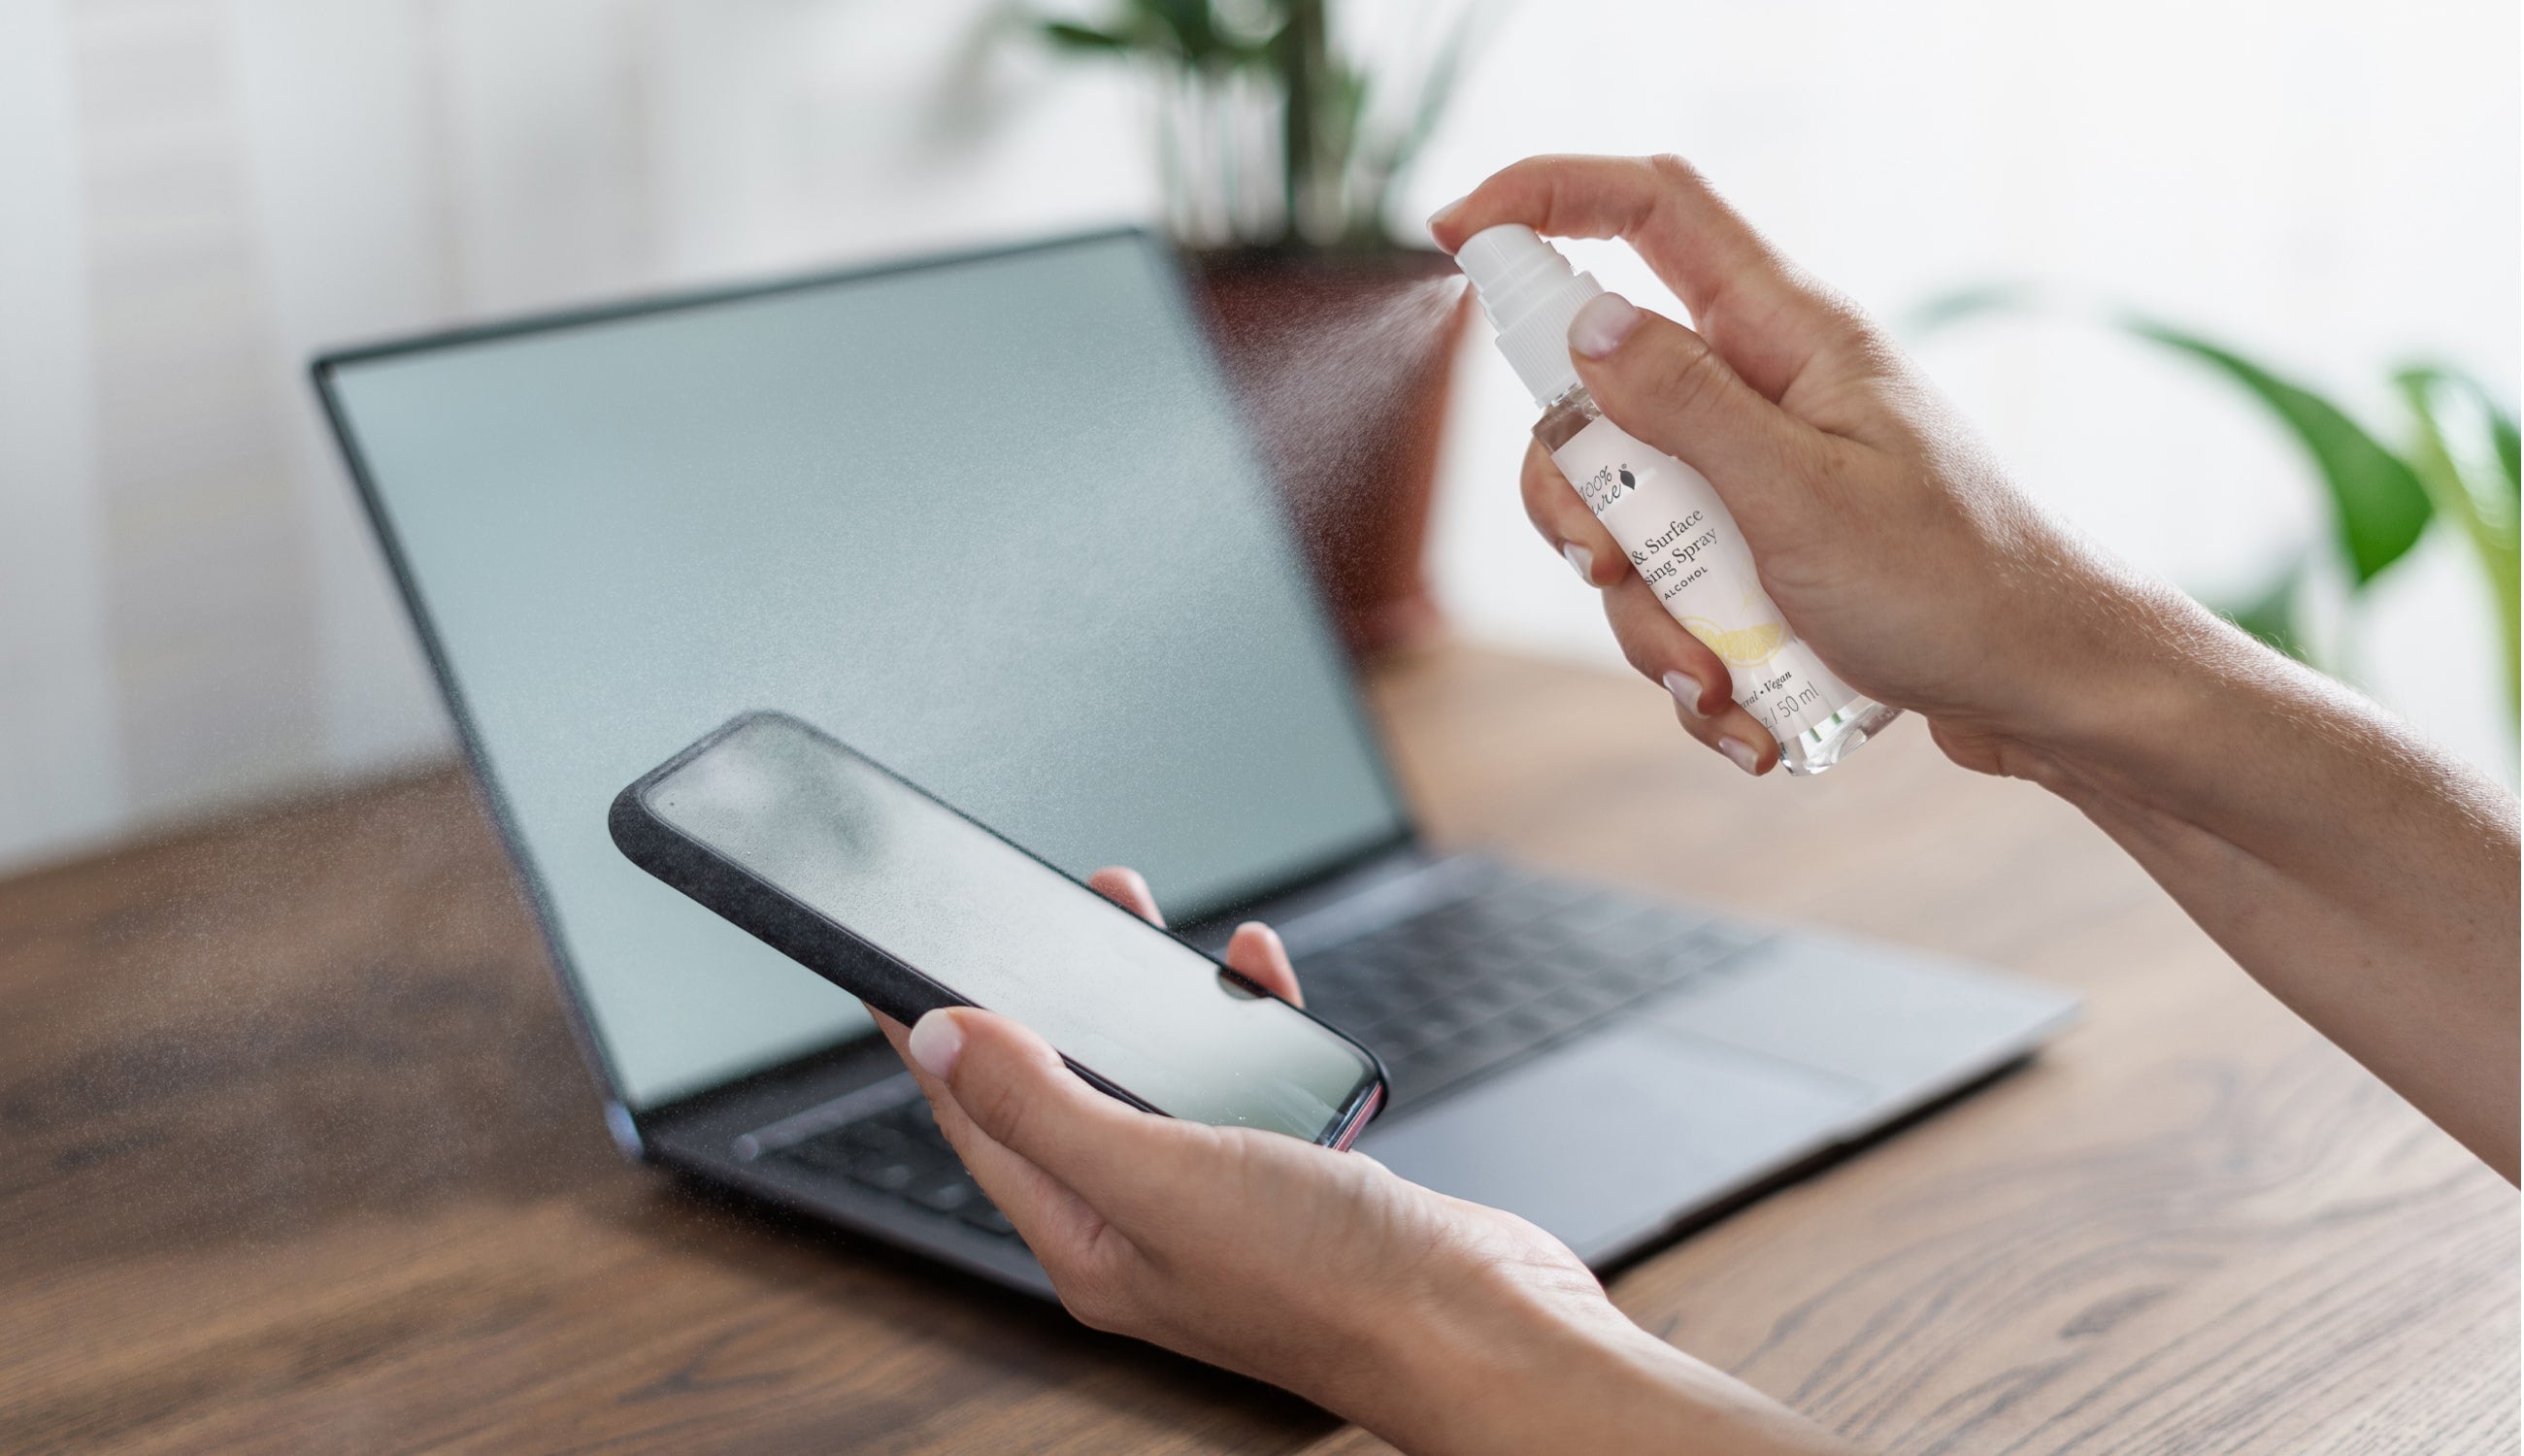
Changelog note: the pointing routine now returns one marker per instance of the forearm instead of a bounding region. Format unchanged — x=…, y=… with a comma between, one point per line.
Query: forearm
x=2360, y=873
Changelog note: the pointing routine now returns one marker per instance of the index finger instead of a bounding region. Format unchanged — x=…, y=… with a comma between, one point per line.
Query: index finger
x=1759, y=310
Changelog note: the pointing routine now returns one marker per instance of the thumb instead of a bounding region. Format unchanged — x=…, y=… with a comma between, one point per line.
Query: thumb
x=1666, y=388
x=1016, y=1091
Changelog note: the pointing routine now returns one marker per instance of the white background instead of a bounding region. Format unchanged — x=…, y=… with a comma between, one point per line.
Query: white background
x=196, y=195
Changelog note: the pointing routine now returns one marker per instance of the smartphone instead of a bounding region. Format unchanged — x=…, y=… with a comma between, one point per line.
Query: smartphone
x=874, y=884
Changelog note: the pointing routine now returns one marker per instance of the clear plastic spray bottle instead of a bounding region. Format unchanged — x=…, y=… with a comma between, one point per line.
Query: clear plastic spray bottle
x=1664, y=514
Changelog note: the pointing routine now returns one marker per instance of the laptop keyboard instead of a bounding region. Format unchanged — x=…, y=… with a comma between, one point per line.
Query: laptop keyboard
x=899, y=1150
x=1467, y=987
x=1443, y=996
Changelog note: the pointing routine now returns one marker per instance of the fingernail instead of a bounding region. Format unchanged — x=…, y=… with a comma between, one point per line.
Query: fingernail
x=1580, y=561
x=935, y=1042
x=1737, y=752
x=1438, y=218
x=1686, y=693
x=1601, y=325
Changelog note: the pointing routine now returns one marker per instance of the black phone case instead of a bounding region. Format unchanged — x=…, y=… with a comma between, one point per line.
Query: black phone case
x=833, y=951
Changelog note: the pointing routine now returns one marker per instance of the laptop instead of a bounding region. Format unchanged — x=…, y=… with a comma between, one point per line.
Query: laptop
x=994, y=520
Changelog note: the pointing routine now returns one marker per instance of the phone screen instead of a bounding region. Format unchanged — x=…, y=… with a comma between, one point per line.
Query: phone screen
x=1001, y=929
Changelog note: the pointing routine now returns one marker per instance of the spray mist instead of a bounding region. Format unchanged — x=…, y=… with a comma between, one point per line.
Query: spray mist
x=1664, y=514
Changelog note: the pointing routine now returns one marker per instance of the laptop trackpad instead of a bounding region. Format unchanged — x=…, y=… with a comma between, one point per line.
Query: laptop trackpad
x=1607, y=1139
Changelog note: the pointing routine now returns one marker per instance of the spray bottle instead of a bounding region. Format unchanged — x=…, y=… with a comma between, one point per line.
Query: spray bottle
x=1664, y=514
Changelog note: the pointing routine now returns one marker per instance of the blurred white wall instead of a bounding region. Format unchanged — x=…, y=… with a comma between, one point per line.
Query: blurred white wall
x=195, y=195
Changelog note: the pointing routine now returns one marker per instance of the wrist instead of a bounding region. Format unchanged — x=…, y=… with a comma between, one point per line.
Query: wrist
x=2118, y=702
x=1503, y=1366
x=1450, y=1365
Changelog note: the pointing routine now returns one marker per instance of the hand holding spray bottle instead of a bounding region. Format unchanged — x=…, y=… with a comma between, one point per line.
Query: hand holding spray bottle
x=1665, y=516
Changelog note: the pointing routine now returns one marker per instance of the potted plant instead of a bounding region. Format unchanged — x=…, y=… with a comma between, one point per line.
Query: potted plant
x=1279, y=157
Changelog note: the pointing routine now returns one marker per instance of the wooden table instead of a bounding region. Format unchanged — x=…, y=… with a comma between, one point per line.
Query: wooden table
x=299, y=1156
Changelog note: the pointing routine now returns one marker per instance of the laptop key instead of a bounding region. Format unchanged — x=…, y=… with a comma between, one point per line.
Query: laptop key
x=889, y=1175
x=899, y=1150
x=1638, y=933
x=897, y=1167
x=1580, y=1000
x=1496, y=1033
x=1531, y=1024
x=985, y=1215
x=870, y=1135
x=946, y=1191
x=1535, y=977
x=1530, y=945
x=1448, y=1014
x=826, y=1153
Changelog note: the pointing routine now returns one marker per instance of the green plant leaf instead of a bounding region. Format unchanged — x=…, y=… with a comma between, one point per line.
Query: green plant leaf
x=1340, y=118
x=2503, y=437
x=2474, y=488
x=1195, y=35
x=2379, y=504
x=1184, y=30
x=1301, y=59
x=1336, y=171
x=1075, y=37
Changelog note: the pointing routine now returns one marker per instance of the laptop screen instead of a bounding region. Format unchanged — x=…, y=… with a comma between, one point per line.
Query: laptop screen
x=992, y=521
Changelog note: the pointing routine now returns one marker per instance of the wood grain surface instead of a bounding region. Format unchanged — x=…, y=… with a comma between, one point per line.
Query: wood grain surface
x=296, y=1155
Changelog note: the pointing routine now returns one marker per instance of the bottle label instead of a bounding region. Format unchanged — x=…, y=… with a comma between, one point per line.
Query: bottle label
x=1669, y=521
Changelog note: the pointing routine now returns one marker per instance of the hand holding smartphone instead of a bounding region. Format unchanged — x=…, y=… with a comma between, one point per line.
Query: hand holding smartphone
x=882, y=888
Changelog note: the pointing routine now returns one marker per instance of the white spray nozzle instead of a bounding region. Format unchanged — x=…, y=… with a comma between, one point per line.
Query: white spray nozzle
x=1530, y=294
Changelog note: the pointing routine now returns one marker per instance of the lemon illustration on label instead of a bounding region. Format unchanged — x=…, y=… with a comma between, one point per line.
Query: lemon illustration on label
x=1744, y=647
